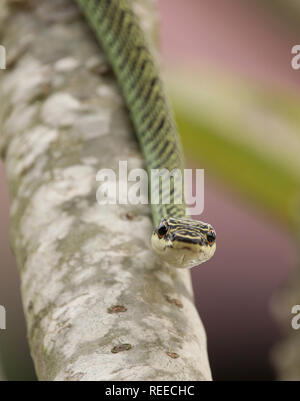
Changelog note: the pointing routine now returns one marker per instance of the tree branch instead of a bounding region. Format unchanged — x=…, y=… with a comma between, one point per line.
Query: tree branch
x=98, y=305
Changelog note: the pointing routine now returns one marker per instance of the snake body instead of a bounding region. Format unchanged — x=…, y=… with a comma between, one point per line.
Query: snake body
x=178, y=240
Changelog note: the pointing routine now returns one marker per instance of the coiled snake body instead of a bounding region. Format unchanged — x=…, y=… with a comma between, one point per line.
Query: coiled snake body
x=178, y=240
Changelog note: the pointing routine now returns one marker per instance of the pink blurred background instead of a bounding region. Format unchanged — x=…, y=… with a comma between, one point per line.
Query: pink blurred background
x=254, y=253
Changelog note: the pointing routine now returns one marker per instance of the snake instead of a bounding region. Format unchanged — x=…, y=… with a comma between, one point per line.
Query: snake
x=177, y=239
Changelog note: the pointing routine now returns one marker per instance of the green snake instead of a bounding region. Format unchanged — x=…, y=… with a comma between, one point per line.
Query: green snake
x=178, y=240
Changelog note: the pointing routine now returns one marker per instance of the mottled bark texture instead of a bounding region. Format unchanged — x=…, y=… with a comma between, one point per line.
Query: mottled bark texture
x=98, y=305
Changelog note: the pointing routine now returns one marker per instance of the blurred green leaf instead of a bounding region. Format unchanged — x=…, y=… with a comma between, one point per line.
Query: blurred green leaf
x=247, y=135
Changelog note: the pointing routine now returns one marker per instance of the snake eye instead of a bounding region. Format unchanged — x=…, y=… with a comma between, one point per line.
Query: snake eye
x=162, y=230
x=211, y=237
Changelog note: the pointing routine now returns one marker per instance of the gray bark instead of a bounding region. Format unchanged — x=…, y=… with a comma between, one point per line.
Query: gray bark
x=98, y=305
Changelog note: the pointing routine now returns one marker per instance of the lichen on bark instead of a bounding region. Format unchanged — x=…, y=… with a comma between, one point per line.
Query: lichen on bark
x=98, y=304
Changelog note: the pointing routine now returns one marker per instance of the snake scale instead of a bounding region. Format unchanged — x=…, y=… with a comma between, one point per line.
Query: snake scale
x=178, y=240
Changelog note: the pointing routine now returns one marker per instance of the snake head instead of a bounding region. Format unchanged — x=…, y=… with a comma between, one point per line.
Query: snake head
x=184, y=243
